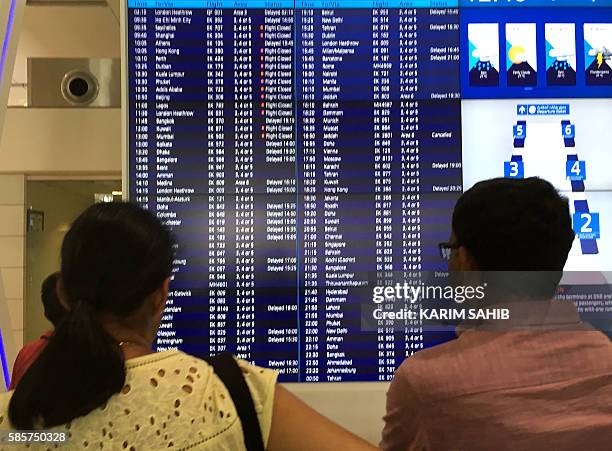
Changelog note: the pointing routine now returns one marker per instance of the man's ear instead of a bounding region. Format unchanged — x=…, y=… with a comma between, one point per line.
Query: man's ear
x=466, y=260
x=470, y=273
x=61, y=293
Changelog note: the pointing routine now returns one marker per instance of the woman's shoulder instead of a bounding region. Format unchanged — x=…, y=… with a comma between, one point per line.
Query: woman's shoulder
x=177, y=363
x=188, y=371
x=261, y=383
x=201, y=390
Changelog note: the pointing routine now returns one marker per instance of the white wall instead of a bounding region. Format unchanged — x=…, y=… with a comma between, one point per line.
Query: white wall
x=63, y=32
x=12, y=243
x=11, y=15
x=61, y=141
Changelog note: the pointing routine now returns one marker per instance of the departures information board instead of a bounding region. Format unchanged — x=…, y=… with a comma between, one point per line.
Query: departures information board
x=301, y=152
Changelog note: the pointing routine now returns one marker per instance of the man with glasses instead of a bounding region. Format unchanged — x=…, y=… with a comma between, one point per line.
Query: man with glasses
x=542, y=380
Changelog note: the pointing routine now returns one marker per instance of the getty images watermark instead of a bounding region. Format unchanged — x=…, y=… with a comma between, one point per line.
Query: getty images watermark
x=407, y=302
x=497, y=300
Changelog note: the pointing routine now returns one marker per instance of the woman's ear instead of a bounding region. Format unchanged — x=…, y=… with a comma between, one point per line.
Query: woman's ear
x=61, y=293
x=159, y=303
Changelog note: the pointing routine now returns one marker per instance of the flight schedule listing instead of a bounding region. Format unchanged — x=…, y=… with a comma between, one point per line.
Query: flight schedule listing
x=302, y=153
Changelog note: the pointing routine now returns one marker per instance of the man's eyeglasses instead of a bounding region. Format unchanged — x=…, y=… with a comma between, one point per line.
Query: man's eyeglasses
x=446, y=249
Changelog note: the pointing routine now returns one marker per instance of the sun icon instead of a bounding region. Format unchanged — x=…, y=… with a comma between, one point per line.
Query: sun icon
x=517, y=54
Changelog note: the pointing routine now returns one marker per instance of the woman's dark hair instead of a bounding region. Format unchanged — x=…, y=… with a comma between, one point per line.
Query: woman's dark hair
x=113, y=257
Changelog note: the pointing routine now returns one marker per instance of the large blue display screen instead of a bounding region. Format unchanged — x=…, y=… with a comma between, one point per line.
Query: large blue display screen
x=305, y=151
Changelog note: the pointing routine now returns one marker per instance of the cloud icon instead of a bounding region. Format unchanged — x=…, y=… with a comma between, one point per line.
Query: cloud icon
x=559, y=55
x=483, y=56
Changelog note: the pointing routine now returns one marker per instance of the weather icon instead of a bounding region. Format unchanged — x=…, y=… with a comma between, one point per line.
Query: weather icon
x=598, y=54
x=521, y=54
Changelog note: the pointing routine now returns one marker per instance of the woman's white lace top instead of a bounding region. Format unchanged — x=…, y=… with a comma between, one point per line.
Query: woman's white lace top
x=170, y=400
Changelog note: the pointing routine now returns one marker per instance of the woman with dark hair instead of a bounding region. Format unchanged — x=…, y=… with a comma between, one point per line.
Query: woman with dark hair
x=55, y=313
x=99, y=382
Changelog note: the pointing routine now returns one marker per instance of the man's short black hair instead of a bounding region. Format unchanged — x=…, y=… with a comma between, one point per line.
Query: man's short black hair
x=516, y=225
x=54, y=311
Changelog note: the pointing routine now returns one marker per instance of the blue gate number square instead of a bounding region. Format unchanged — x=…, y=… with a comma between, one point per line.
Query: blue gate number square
x=569, y=131
x=586, y=225
x=514, y=169
x=519, y=131
x=575, y=170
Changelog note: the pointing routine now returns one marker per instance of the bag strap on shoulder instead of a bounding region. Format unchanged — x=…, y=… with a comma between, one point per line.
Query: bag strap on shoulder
x=227, y=369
